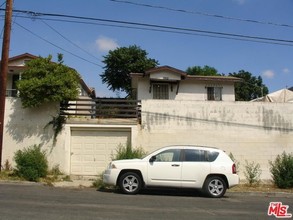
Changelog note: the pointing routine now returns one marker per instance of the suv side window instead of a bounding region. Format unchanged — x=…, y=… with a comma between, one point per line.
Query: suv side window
x=171, y=155
x=195, y=155
x=212, y=155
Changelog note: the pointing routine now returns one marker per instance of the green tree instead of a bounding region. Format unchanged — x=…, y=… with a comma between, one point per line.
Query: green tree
x=46, y=81
x=250, y=88
x=202, y=71
x=121, y=62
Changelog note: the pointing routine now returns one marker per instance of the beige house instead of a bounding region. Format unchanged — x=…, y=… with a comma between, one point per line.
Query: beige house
x=166, y=82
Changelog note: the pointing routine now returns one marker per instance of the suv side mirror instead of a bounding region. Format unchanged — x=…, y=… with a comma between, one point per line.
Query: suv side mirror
x=153, y=158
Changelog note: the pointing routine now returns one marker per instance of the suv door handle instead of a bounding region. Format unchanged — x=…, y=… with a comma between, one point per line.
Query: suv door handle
x=175, y=165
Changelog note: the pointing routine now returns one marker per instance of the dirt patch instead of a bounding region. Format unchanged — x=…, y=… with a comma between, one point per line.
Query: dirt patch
x=259, y=188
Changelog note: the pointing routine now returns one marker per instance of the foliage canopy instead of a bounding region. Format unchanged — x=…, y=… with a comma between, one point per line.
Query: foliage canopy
x=250, y=88
x=119, y=63
x=202, y=71
x=46, y=81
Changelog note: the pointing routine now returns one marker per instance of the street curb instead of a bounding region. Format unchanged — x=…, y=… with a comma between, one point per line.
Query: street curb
x=266, y=194
x=88, y=184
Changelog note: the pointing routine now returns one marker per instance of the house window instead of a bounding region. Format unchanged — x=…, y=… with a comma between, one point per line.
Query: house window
x=160, y=91
x=14, y=91
x=214, y=93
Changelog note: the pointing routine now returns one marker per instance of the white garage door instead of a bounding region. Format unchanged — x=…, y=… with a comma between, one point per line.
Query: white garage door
x=91, y=150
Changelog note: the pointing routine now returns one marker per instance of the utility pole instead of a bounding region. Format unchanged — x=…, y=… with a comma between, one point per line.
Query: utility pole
x=4, y=70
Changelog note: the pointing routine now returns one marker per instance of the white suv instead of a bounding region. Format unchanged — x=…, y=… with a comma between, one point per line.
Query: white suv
x=209, y=169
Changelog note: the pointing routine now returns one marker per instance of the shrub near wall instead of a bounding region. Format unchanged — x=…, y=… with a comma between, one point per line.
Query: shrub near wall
x=31, y=163
x=282, y=170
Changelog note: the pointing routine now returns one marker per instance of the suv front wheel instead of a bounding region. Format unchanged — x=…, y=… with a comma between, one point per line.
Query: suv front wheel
x=130, y=183
x=215, y=187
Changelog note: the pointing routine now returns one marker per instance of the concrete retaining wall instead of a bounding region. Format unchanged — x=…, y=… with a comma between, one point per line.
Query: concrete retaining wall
x=256, y=132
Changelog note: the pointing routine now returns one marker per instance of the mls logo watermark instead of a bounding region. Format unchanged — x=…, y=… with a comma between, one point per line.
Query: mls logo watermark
x=279, y=210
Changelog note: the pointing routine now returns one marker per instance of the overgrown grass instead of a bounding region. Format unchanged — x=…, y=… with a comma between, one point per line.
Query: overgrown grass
x=252, y=173
x=128, y=152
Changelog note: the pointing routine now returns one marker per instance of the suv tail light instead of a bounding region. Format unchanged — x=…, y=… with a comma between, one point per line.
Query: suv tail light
x=234, y=170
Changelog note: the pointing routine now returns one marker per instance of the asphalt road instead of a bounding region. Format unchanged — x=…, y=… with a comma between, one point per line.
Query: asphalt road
x=34, y=201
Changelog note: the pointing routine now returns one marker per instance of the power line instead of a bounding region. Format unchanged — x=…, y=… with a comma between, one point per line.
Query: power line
x=202, y=13
x=161, y=30
x=55, y=45
x=68, y=40
x=166, y=28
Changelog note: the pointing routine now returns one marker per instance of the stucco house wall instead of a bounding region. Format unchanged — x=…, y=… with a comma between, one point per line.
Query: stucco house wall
x=26, y=127
x=199, y=92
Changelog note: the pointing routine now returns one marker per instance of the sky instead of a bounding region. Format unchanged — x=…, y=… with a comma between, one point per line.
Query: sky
x=229, y=35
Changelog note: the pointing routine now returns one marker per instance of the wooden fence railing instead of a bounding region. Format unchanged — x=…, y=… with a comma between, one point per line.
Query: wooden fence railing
x=102, y=108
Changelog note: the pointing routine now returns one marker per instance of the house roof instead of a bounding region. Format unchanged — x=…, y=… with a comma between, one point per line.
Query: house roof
x=185, y=76
x=22, y=56
x=165, y=68
x=214, y=78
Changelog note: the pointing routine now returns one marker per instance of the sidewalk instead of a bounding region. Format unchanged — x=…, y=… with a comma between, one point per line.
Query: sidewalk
x=73, y=182
x=77, y=181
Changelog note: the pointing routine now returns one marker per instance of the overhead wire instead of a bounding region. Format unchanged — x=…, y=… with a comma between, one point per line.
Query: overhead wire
x=55, y=45
x=202, y=13
x=164, y=27
x=132, y=25
x=68, y=40
x=166, y=31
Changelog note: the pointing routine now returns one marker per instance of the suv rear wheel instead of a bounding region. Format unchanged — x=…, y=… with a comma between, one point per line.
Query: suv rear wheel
x=130, y=183
x=215, y=187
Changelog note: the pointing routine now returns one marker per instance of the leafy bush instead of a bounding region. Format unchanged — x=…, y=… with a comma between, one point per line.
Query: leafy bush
x=31, y=163
x=282, y=170
x=127, y=152
x=252, y=172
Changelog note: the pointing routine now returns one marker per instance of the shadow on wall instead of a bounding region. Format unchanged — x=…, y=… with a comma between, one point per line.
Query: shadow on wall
x=270, y=120
x=28, y=125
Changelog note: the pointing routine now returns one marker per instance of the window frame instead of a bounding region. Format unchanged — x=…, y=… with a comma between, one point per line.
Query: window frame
x=161, y=94
x=214, y=93
x=176, y=152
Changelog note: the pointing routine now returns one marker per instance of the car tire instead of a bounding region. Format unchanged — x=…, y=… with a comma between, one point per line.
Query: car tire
x=215, y=187
x=130, y=183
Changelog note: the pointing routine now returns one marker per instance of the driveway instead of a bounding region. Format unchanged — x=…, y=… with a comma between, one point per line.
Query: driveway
x=35, y=201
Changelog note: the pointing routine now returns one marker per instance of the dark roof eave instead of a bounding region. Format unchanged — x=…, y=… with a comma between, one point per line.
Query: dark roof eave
x=214, y=78
x=21, y=56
